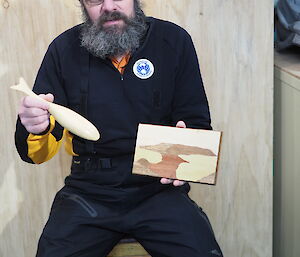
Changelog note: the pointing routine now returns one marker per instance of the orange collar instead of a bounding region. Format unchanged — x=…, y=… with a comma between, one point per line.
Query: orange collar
x=120, y=65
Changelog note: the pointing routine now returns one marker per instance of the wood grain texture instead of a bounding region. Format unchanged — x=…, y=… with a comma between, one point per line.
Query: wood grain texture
x=133, y=249
x=233, y=39
x=177, y=153
x=26, y=191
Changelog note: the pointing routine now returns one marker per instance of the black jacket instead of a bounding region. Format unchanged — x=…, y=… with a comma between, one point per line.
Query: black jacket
x=116, y=103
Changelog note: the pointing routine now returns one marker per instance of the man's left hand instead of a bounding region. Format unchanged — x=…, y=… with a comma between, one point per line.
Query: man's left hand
x=180, y=124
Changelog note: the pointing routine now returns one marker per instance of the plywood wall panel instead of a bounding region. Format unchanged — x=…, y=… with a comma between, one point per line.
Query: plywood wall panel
x=233, y=39
x=26, y=191
x=234, y=44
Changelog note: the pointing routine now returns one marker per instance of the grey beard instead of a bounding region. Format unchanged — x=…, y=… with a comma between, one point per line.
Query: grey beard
x=113, y=41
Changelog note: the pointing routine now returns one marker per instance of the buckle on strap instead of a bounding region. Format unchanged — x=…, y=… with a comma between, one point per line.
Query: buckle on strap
x=92, y=162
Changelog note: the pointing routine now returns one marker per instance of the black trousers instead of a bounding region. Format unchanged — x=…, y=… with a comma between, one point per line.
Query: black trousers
x=87, y=222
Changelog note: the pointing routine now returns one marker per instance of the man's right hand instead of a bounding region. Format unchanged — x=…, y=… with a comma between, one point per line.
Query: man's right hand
x=34, y=114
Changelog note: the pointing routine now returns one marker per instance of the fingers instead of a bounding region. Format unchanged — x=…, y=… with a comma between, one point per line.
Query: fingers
x=180, y=124
x=37, y=129
x=32, y=102
x=49, y=97
x=31, y=112
x=176, y=182
x=35, y=120
x=166, y=181
x=34, y=113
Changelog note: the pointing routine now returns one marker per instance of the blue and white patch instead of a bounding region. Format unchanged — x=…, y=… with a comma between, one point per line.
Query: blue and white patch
x=143, y=69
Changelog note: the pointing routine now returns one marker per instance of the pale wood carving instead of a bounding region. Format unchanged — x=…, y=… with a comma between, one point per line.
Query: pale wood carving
x=70, y=120
x=234, y=41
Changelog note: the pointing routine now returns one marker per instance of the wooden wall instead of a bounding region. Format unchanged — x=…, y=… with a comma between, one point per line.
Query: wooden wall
x=26, y=191
x=234, y=43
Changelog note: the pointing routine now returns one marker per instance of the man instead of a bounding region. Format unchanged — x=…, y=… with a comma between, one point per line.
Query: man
x=118, y=69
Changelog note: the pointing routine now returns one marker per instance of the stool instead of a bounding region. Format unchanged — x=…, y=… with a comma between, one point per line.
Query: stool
x=128, y=247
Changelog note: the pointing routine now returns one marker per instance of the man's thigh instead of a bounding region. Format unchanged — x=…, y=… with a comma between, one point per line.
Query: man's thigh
x=171, y=224
x=78, y=227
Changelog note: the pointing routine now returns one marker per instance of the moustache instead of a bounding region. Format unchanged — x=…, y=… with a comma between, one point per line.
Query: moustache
x=112, y=16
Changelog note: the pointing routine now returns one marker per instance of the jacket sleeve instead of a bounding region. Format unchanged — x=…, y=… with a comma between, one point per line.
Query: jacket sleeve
x=40, y=148
x=190, y=102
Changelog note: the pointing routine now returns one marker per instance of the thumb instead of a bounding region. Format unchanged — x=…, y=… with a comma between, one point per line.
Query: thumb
x=49, y=97
x=180, y=124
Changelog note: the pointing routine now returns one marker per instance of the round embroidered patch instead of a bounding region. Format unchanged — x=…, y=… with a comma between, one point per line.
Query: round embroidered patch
x=143, y=69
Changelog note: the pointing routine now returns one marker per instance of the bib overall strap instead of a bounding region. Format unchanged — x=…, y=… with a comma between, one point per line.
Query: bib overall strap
x=85, y=70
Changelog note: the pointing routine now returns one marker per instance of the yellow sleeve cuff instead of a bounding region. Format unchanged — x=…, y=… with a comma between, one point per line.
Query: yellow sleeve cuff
x=69, y=143
x=42, y=148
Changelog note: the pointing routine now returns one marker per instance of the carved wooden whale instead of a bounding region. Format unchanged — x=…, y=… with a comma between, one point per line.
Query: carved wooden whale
x=69, y=119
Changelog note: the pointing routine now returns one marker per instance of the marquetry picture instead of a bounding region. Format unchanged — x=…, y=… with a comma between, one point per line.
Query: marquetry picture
x=177, y=153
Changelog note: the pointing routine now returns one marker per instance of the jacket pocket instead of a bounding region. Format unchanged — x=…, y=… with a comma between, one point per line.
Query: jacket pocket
x=82, y=202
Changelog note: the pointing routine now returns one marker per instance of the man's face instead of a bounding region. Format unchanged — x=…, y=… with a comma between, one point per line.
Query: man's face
x=112, y=28
x=108, y=10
